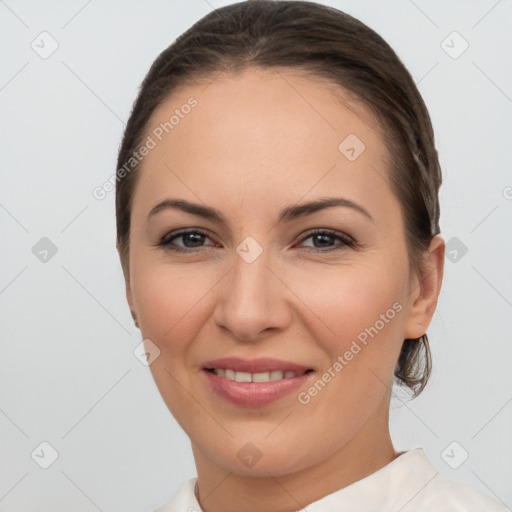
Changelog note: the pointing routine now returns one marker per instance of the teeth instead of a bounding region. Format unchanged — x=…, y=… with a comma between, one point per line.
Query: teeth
x=261, y=377
x=255, y=377
x=243, y=377
x=276, y=375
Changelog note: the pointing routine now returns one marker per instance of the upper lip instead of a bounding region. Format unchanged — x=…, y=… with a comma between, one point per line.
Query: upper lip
x=263, y=364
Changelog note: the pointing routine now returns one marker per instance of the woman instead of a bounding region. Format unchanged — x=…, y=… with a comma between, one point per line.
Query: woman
x=278, y=229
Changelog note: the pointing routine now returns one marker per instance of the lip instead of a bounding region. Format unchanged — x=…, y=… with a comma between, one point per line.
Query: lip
x=254, y=394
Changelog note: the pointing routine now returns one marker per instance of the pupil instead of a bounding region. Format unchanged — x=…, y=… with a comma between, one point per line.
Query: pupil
x=321, y=239
x=193, y=237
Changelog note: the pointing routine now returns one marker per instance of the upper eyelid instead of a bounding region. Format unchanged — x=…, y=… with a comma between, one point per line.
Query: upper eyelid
x=345, y=239
x=179, y=233
x=329, y=231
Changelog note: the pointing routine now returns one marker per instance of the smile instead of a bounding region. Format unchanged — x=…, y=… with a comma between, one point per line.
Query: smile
x=255, y=382
x=268, y=376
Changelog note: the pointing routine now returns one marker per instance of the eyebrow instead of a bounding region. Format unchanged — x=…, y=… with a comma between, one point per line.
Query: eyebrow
x=286, y=215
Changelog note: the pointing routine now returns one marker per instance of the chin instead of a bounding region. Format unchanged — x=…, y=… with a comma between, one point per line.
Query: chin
x=259, y=458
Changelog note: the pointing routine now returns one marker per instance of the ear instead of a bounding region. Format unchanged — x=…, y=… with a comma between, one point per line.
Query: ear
x=425, y=290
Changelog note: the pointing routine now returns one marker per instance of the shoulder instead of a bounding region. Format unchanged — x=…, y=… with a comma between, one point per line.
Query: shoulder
x=441, y=494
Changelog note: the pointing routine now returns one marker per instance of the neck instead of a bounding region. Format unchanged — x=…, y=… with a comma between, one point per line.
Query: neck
x=223, y=491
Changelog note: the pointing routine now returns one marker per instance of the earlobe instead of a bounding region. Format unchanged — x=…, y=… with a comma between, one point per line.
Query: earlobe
x=422, y=309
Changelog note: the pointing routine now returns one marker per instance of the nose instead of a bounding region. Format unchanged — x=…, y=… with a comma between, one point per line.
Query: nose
x=252, y=301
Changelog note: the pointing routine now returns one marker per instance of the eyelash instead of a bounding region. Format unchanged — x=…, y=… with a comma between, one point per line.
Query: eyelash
x=166, y=241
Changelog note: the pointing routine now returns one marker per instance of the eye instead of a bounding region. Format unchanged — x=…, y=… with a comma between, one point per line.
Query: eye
x=191, y=239
x=324, y=240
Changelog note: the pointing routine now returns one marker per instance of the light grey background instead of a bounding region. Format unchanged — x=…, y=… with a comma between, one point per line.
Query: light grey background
x=67, y=372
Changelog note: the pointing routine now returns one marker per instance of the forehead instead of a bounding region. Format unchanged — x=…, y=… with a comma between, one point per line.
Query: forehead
x=259, y=130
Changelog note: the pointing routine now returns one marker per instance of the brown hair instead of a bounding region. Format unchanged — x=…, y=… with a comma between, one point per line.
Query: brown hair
x=326, y=43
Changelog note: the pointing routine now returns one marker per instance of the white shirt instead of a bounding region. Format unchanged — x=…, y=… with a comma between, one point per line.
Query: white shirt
x=409, y=483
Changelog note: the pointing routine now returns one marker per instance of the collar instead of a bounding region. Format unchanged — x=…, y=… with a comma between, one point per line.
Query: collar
x=409, y=483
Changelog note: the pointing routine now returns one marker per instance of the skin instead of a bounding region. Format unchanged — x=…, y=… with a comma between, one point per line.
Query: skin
x=252, y=146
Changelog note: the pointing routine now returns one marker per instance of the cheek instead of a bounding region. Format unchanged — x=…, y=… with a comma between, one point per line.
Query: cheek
x=171, y=308
x=362, y=310
x=359, y=322
x=170, y=304
x=349, y=301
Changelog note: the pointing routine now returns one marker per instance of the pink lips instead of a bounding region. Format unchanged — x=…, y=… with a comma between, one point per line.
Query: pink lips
x=254, y=394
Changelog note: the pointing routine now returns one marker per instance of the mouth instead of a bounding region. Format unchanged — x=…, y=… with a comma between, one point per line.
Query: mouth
x=254, y=383
x=266, y=376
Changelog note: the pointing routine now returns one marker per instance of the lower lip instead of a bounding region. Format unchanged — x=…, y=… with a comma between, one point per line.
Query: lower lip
x=254, y=394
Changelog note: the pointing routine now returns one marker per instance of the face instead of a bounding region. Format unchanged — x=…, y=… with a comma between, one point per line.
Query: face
x=279, y=261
